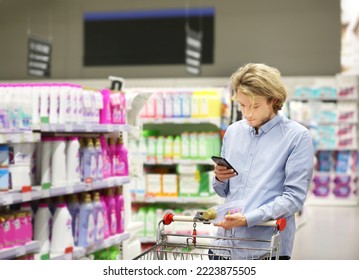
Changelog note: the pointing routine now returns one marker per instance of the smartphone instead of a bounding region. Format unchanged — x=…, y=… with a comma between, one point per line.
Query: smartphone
x=223, y=162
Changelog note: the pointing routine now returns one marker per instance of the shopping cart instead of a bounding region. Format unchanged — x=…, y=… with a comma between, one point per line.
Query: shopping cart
x=173, y=246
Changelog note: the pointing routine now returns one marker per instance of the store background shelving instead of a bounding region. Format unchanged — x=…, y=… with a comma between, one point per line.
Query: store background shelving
x=35, y=193
x=328, y=106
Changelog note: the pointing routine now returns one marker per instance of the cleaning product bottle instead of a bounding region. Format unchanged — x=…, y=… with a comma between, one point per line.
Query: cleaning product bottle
x=112, y=154
x=105, y=112
x=106, y=161
x=61, y=233
x=58, y=162
x=216, y=214
x=73, y=160
x=42, y=228
x=74, y=208
x=111, y=208
x=99, y=161
x=98, y=217
x=106, y=228
x=122, y=156
x=86, y=222
x=120, y=210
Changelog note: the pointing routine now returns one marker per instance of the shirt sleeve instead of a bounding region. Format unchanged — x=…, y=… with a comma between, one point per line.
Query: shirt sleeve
x=221, y=188
x=298, y=174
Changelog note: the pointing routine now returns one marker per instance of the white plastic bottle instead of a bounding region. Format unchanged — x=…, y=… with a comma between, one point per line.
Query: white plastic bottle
x=58, y=162
x=73, y=160
x=54, y=103
x=61, y=234
x=42, y=228
x=46, y=160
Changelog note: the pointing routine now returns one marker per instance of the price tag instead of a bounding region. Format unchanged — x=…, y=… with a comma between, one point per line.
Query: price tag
x=26, y=196
x=15, y=138
x=68, y=257
x=68, y=127
x=20, y=251
x=88, y=127
x=45, y=193
x=28, y=137
x=7, y=199
x=109, y=128
x=69, y=190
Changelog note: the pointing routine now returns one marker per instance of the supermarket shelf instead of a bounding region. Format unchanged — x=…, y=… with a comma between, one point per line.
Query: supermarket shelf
x=178, y=199
x=21, y=250
x=19, y=137
x=12, y=197
x=89, y=128
x=215, y=121
x=80, y=252
x=182, y=162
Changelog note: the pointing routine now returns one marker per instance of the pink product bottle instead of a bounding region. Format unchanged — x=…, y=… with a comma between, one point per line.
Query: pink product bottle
x=112, y=155
x=9, y=231
x=2, y=222
x=105, y=112
x=106, y=160
x=106, y=230
x=20, y=223
x=111, y=214
x=120, y=211
x=122, y=158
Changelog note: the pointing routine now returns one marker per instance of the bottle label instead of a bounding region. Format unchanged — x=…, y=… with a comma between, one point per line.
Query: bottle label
x=99, y=227
x=113, y=223
x=91, y=230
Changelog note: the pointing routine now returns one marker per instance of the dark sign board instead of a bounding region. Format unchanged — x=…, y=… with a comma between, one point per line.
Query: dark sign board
x=39, y=57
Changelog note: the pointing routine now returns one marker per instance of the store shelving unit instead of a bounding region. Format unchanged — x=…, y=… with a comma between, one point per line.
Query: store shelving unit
x=341, y=91
x=33, y=193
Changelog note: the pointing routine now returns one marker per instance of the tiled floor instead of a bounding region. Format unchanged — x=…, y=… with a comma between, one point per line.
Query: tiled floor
x=328, y=233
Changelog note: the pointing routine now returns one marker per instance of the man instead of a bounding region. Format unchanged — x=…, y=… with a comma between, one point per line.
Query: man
x=273, y=156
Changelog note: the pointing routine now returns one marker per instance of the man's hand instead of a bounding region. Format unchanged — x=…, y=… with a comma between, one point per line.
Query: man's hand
x=232, y=220
x=222, y=173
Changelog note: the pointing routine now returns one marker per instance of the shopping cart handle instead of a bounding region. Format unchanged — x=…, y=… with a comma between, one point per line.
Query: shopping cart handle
x=280, y=224
x=168, y=218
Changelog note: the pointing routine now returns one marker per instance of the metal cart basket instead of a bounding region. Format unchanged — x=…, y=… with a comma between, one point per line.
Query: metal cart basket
x=171, y=246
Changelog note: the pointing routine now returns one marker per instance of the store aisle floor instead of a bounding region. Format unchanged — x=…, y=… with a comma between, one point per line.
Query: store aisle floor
x=329, y=233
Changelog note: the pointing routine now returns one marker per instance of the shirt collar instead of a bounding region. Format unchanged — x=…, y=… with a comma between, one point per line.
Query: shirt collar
x=268, y=125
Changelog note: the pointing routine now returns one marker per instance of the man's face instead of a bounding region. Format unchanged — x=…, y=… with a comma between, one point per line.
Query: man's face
x=256, y=111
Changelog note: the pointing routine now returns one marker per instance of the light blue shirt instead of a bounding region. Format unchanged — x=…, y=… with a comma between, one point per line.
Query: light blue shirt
x=274, y=168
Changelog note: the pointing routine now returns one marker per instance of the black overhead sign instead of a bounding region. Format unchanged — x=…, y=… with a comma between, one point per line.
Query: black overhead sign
x=39, y=58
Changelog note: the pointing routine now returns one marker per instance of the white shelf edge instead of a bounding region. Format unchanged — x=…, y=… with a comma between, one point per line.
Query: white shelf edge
x=89, y=128
x=178, y=199
x=313, y=201
x=8, y=198
x=20, y=250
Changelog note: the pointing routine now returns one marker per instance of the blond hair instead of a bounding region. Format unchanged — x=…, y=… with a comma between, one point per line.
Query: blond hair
x=257, y=79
